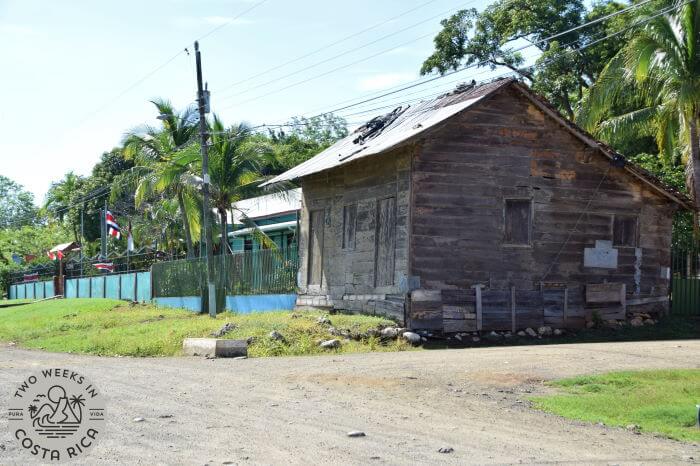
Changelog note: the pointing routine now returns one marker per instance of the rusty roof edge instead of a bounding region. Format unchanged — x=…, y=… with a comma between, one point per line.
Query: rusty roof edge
x=637, y=171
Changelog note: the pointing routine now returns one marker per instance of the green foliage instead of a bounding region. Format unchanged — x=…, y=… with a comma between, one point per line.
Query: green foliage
x=660, y=401
x=651, y=89
x=307, y=137
x=109, y=328
x=16, y=205
x=165, y=163
x=489, y=39
x=27, y=241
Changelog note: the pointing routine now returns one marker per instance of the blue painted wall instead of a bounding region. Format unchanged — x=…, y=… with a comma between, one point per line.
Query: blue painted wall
x=34, y=290
x=131, y=286
x=246, y=304
x=191, y=303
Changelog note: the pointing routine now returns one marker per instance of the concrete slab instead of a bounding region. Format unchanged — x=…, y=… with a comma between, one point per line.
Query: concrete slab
x=215, y=347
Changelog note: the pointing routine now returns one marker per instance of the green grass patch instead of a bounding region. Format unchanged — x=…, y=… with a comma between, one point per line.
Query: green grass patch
x=108, y=327
x=658, y=401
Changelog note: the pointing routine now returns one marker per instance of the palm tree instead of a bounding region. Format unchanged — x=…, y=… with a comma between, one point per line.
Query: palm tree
x=61, y=195
x=165, y=158
x=655, y=78
x=235, y=161
x=77, y=402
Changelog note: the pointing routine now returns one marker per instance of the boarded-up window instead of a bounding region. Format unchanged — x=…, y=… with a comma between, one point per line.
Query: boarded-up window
x=385, y=242
x=518, y=222
x=316, y=224
x=349, y=219
x=625, y=231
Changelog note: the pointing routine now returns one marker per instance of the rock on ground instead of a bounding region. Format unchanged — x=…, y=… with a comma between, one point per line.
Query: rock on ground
x=330, y=344
x=227, y=327
x=412, y=338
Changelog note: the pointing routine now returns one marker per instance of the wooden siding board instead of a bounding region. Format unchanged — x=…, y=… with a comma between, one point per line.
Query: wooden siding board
x=505, y=147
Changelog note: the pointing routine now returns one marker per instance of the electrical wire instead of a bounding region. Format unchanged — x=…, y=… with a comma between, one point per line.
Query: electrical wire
x=327, y=46
x=400, y=89
x=107, y=190
x=342, y=54
x=480, y=63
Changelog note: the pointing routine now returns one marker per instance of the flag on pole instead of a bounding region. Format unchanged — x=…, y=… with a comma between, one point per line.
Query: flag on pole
x=112, y=227
x=129, y=238
x=105, y=266
x=56, y=255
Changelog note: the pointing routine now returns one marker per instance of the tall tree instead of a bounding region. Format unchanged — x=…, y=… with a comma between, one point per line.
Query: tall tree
x=16, y=205
x=655, y=79
x=305, y=138
x=61, y=201
x=490, y=39
x=235, y=159
x=163, y=159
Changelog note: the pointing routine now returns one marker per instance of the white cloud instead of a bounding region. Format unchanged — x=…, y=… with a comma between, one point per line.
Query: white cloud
x=190, y=22
x=16, y=29
x=216, y=20
x=381, y=81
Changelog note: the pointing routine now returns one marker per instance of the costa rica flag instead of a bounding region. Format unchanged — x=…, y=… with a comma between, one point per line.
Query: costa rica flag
x=105, y=266
x=112, y=226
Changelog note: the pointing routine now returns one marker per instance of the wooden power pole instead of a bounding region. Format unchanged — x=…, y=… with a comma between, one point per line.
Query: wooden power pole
x=202, y=103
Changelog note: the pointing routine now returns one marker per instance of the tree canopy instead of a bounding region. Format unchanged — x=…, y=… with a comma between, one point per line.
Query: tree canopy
x=17, y=207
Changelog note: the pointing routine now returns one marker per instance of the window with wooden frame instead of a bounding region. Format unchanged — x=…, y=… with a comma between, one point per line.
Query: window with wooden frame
x=625, y=232
x=518, y=222
x=349, y=224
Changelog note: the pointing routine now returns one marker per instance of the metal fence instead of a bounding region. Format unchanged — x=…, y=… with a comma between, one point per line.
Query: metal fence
x=33, y=290
x=685, y=280
x=265, y=271
x=134, y=286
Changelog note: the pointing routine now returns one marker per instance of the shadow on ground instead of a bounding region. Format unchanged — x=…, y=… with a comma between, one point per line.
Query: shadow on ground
x=669, y=328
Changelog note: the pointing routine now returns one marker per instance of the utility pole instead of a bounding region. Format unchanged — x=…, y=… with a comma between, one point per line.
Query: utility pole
x=103, y=229
x=82, y=238
x=206, y=236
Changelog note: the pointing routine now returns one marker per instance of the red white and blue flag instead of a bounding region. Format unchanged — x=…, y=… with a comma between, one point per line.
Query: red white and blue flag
x=112, y=227
x=105, y=266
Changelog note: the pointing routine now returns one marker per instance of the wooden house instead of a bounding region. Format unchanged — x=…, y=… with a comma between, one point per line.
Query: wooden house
x=483, y=209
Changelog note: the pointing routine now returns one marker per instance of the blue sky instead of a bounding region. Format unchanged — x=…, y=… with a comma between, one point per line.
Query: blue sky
x=65, y=62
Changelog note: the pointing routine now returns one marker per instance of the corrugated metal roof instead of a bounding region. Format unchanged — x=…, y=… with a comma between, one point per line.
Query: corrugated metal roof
x=404, y=124
x=400, y=126
x=267, y=206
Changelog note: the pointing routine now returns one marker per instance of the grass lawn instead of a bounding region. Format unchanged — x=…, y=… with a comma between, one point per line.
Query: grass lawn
x=659, y=401
x=109, y=327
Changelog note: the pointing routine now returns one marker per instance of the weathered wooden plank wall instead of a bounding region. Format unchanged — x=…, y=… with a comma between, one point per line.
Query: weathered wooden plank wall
x=506, y=148
x=372, y=267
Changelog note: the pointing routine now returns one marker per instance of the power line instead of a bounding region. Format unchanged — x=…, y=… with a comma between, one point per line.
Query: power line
x=544, y=63
x=342, y=54
x=238, y=16
x=480, y=63
x=327, y=46
x=298, y=83
x=108, y=189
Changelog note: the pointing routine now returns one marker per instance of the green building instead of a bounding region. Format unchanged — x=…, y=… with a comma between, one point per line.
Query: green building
x=276, y=215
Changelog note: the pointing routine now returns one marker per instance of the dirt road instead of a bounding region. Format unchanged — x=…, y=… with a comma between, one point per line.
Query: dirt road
x=298, y=410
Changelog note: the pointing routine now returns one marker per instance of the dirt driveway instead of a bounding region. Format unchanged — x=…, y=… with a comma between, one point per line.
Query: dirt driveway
x=298, y=410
